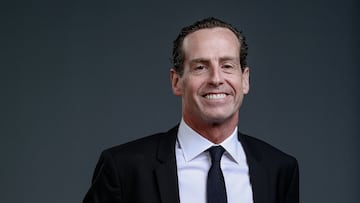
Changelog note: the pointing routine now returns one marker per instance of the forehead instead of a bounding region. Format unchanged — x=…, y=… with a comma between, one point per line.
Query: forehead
x=211, y=42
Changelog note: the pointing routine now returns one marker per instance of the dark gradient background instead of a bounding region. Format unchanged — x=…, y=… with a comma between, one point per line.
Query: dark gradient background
x=80, y=76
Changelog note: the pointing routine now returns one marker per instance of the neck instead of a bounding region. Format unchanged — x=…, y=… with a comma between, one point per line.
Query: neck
x=216, y=132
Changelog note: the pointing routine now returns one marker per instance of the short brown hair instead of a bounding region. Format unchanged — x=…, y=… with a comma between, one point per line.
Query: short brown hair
x=211, y=22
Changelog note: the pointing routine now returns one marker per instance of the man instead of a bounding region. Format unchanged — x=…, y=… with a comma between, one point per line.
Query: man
x=211, y=76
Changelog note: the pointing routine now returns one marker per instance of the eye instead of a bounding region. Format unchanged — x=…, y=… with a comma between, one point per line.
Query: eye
x=228, y=66
x=200, y=67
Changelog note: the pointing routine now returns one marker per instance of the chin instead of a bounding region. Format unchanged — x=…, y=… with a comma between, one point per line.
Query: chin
x=218, y=119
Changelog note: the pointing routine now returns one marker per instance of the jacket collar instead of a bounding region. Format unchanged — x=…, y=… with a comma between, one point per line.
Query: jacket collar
x=166, y=172
x=259, y=178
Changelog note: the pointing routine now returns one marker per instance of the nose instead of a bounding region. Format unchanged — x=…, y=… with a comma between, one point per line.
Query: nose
x=216, y=76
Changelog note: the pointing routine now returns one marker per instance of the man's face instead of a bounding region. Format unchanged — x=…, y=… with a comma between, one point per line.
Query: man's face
x=212, y=85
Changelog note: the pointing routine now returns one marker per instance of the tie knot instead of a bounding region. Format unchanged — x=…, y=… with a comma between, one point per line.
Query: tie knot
x=216, y=152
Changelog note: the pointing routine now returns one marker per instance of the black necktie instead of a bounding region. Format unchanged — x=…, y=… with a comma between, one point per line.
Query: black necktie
x=216, y=191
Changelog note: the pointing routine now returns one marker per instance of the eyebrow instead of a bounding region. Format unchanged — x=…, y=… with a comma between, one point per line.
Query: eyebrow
x=222, y=59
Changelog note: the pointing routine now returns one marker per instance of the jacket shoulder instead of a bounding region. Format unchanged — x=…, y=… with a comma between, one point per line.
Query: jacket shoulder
x=145, y=146
x=264, y=151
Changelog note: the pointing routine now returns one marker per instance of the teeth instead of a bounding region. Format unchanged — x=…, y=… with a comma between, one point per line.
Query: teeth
x=215, y=96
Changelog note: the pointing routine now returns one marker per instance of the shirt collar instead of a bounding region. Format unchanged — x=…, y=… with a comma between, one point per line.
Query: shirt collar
x=193, y=144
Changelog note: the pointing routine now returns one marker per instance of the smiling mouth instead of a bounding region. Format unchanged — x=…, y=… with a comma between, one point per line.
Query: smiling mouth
x=215, y=96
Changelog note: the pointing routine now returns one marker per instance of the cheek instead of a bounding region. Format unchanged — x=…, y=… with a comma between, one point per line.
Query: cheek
x=236, y=84
x=190, y=86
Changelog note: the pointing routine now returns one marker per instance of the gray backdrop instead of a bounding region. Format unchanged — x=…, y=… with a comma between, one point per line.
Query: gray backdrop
x=80, y=76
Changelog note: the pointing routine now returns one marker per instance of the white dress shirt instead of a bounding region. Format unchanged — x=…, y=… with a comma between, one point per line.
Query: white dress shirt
x=193, y=163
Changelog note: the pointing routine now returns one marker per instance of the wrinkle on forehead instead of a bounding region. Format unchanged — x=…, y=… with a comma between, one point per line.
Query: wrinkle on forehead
x=213, y=43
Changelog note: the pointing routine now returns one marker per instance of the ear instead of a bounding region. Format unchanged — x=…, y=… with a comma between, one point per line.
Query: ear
x=246, y=80
x=175, y=82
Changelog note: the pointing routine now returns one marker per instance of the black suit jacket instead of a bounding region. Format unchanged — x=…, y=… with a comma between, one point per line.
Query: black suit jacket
x=145, y=171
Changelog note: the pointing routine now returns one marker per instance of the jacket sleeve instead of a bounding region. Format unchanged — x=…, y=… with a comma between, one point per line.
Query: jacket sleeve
x=105, y=187
x=292, y=195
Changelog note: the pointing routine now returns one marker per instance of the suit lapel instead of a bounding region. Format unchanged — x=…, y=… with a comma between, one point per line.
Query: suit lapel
x=166, y=172
x=259, y=178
